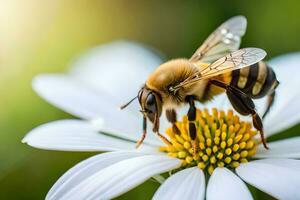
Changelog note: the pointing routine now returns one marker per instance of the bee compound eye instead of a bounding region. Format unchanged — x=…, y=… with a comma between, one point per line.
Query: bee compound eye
x=150, y=100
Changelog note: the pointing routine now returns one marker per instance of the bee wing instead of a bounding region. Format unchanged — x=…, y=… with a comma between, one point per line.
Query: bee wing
x=225, y=39
x=233, y=61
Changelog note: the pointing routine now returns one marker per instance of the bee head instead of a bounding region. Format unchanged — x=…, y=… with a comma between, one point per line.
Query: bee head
x=150, y=102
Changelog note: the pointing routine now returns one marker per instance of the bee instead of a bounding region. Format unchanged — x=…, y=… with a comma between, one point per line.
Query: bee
x=217, y=66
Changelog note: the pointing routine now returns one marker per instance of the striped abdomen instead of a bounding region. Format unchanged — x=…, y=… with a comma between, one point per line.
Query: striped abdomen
x=257, y=80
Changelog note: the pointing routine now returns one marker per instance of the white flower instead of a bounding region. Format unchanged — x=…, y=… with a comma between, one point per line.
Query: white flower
x=108, y=76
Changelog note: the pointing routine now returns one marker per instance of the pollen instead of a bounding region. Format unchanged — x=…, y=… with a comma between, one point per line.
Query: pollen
x=222, y=140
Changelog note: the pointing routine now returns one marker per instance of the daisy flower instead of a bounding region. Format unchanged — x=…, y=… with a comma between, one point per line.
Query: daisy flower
x=229, y=155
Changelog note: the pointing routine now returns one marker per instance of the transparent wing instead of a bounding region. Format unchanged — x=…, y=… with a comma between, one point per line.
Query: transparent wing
x=225, y=39
x=233, y=61
x=236, y=60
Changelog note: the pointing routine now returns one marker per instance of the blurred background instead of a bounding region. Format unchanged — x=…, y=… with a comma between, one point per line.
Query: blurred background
x=38, y=36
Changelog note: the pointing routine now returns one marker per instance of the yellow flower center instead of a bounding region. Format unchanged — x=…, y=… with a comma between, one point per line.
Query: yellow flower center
x=222, y=141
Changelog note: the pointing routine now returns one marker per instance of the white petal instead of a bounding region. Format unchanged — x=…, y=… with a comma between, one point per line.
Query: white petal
x=76, y=135
x=121, y=177
x=186, y=184
x=283, y=162
x=285, y=111
x=73, y=96
x=287, y=148
x=224, y=184
x=220, y=102
x=288, y=117
x=78, y=99
x=86, y=169
x=118, y=68
x=277, y=177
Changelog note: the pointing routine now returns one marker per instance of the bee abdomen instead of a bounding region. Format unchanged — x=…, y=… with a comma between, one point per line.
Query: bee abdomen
x=257, y=80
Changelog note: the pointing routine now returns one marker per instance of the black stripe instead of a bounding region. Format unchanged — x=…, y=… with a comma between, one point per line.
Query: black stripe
x=271, y=77
x=251, y=79
x=235, y=78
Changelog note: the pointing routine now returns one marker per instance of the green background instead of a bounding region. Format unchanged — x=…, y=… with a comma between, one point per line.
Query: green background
x=39, y=36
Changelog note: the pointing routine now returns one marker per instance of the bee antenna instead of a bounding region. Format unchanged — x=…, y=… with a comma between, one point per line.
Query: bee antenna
x=125, y=105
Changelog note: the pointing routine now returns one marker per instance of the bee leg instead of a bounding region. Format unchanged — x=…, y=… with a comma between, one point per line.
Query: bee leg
x=156, y=130
x=138, y=144
x=243, y=104
x=164, y=139
x=192, y=117
x=270, y=102
x=172, y=118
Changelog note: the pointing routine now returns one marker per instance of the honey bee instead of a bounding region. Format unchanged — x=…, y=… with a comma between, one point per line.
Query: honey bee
x=217, y=66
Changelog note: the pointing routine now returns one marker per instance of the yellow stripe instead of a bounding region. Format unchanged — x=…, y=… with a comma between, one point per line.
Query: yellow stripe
x=261, y=78
x=243, y=77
